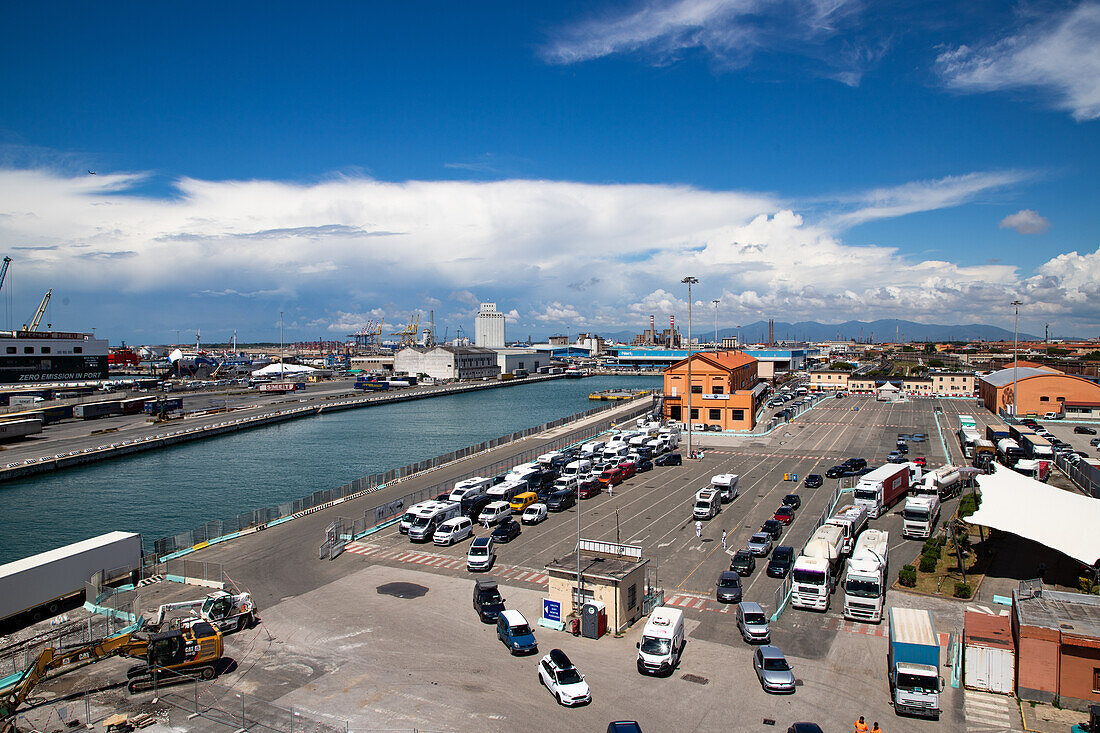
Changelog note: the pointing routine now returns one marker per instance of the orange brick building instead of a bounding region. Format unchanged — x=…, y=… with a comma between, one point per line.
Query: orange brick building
x=723, y=390
x=1057, y=638
x=1039, y=391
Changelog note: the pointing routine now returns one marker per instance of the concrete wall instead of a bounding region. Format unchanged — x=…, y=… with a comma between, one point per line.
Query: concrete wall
x=615, y=596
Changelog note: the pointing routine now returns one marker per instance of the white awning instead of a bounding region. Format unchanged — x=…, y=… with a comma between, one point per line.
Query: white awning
x=278, y=370
x=1062, y=520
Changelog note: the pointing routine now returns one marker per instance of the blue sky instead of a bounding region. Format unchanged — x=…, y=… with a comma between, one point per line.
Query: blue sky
x=342, y=162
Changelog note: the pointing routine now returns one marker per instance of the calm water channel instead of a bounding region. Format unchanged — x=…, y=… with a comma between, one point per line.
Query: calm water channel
x=167, y=491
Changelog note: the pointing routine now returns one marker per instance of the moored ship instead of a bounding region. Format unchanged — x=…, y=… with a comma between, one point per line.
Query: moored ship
x=51, y=356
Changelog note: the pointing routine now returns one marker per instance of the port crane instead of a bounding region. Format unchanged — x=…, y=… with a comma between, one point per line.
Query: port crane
x=369, y=334
x=408, y=334
x=38, y=313
x=4, y=271
x=189, y=652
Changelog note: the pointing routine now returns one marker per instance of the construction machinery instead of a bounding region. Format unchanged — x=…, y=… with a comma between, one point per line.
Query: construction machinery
x=166, y=657
x=225, y=611
x=38, y=313
x=4, y=270
x=408, y=334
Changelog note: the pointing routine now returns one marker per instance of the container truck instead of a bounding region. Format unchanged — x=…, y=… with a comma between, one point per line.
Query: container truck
x=919, y=516
x=1009, y=451
x=1032, y=468
x=814, y=573
x=866, y=577
x=92, y=410
x=993, y=433
x=967, y=421
x=1036, y=447
x=14, y=429
x=37, y=586
x=851, y=520
x=943, y=483
x=158, y=407
x=984, y=453
x=879, y=489
x=968, y=438
x=913, y=663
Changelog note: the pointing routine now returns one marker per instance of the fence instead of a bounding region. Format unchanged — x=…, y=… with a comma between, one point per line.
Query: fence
x=1084, y=475
x=346, y=529
x=224, y=528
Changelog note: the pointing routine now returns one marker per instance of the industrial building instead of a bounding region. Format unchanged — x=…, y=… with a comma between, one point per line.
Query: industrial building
x=1037, y=391
x=613, y=577
x=724, y=390
x=1057, y=639
x=770, y=362
x=448, y=362
x=512, y=360
x=489, y=327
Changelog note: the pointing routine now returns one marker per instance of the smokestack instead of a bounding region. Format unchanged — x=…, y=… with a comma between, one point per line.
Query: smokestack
x=651, y=323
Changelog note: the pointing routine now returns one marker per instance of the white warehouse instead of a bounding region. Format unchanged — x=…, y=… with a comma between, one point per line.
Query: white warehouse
x=448, y=362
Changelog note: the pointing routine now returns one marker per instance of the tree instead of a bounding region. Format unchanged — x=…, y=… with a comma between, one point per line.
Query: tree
x=930, y=348
x=842, y=366
x=935, y=363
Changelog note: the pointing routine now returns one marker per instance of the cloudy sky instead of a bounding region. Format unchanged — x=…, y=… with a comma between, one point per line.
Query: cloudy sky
x=573, y=161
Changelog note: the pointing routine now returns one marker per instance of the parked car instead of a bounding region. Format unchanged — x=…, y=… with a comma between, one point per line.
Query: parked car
x=805, y=728
x=515, y=633
x=760, y=544
x=743, y=562
x=836, y=471
x=481, y=555
x=773, y=527
x=494, y=513
x=534, y=513
x=903, y=448
x=559, y=501
x=669, y=459
x=784, y=514
x=728, y=587
x=895, y=457
x=472, y=506
x=781, y=561
x=812, y=481
x=611, y=476
x=507, y=531
x=643, y=464
x=1052, y=416
x=487, y=600
x=453, y=530
x=753, y=623
x=794, y=501
x=772, y=669
x=920, y=461
x=563, y=680
x=1082, y=430
x=588, y=489
x=855, y=464
x=522, y=501
x=628, y=469
x=1094, y=442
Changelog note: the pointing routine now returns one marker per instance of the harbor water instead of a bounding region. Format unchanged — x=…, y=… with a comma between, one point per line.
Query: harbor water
x=163, y=492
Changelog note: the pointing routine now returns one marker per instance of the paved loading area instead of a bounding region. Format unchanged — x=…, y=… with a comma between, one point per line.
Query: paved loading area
x=340, y=639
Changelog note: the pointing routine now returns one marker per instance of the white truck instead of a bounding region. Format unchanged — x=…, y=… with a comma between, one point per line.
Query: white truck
x=662, y=641
x=913, y=663
x=879, y=489
x=942, y=483
x=577, y=470
x=224, y=610
x=427, y=517
x=814, y=574
x=919, y=517
x=866, y=577
x=708, y=502
x=851, y=520
x=1033, y=468
x=726, y=485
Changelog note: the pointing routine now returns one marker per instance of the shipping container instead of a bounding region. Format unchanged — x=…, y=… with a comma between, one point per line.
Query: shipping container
x=134, y=405
x=155, y=407
x=989, y=655
x=92, y=410
x=14, y=429
x=36, y=586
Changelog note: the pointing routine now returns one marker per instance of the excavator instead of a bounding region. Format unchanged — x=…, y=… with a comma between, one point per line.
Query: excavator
x=185, y=653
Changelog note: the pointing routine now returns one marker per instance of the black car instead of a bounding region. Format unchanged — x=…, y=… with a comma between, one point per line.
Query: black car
x=729, y=588
x=471, y=506
x=545, y=492
x=773, y=527
x=792, y=500
x=836, y=472
x=813, y=481
x=669, y=459
x=1082, y=430
x=781, y=561
x=855, y=464
x=559, y=501
x=805, y=728
x=743, y=563
x=903, y=448
x=643, y=464
x=487, y=601
x=1094, y=442
x=506, y=531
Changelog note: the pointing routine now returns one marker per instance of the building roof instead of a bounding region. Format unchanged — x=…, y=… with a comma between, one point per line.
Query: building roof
x=452, y=349
x=607, y=568
x=1055, y=518
x=1032, y=365
x=983, y=629
x=1069, y=613
x=1005, y=376
x=723, y=359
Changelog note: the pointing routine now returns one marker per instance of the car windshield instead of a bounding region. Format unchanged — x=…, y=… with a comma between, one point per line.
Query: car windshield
x=733, y=582
x=655, y=646
x=760, y=539
x=569, y=676
x=867, y=494
x=810, y=577
x=917, y=683
x=862, y=588
x=772, y=664
x=479, y=550
x=755, y=618
x=421, y=521
x=917, y=515
x=742, y=557
x=521, y=630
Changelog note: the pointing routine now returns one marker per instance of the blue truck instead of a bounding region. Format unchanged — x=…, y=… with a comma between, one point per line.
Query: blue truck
x=913, y=663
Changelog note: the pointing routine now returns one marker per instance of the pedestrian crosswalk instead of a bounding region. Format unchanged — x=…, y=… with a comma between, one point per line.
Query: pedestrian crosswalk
x=431, y=560
x=986, y=713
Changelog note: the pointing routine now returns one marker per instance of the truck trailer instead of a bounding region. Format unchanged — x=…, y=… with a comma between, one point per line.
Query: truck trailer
x=943, y=483
x=879, y=489
x=865, y=581
x=814, y=574
x=913, y=663
x=15, y=429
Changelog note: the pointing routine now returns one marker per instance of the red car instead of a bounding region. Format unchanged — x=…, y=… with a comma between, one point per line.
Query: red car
x=628, y=468
x=919, y=460
x=611, y=476
x=588, y=489
x=784, y=514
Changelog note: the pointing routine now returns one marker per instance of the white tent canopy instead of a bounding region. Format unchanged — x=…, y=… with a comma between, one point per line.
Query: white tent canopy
x=1062, y=520
x=278, y=369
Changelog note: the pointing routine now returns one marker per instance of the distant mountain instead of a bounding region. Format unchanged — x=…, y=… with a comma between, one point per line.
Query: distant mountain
x=880, y=331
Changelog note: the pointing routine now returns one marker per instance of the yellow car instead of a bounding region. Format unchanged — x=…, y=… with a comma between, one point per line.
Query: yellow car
x=524, y=500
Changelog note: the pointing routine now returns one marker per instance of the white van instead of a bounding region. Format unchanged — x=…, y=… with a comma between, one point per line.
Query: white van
x=466, y=487
x=726, y=485
x=638, y=441
x=577, y=469
x=708, y=502
x=507, y=489
x=657, y=445
x=522, y=471
x=564, y=483
x=494, y=512
x=616, y=454
x=453, y=530
x=592, y=447
x=547, y=459
x=662, y=641
x=427, y=519
x=409, y=515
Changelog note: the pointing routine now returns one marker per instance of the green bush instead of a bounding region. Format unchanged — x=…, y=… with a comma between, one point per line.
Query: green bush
x=932, y=552
x=907, y=576
x=928, y=564
x=963, y=590
x=969, y=504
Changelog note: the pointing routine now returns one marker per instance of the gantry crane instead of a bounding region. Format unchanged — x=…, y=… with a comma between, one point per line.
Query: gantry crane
x=369, y=335
x=38, y=313
x=408, y=334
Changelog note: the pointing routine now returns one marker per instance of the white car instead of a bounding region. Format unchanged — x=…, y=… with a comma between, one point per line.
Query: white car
x=534, y=513
x=453, y=530
x=564, y=681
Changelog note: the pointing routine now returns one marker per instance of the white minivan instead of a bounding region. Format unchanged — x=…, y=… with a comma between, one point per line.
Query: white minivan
x=662, y=641
x=576, y=469
x=453, y=530
x=494, y=512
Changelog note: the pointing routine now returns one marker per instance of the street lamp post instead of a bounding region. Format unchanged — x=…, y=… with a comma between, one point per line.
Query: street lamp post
x=715, y=323
x=689, y=281
x=1015, y=355
x=282, y=357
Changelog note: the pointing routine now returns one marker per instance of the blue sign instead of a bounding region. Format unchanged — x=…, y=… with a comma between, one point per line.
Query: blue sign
x=551, y=610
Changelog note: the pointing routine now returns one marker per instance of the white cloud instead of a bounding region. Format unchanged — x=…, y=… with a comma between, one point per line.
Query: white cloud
x=731, y=32
x=1059, y=55
x=1026, y=221
x=552, y=254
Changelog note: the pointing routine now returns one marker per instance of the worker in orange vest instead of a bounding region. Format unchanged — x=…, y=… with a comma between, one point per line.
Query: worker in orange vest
x=861, y=725
x=875, y=728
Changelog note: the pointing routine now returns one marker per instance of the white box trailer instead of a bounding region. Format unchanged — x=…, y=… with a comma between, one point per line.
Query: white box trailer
x=37, y=585
x=13, y=429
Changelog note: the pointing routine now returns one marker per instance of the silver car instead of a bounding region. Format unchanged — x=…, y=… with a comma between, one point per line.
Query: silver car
x=772, y=670
x=753, y=623
x=760, y=544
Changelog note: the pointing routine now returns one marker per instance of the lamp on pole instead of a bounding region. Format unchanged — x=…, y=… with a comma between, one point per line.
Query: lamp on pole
x=716, y=302
x=1015, y=354
x=689, y=281
x=458, y=354
x=281, y=347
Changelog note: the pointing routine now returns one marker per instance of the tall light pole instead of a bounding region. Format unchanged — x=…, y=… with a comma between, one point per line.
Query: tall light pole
x=458, y=354
x=281, y=348
x=1015, y=355
x=689, y=281
x=715, y=323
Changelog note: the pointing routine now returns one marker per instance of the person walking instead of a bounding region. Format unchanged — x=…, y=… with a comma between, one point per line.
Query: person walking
x=861, y=725
x=610, y=490
x=723, y=539
x=698, y=528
